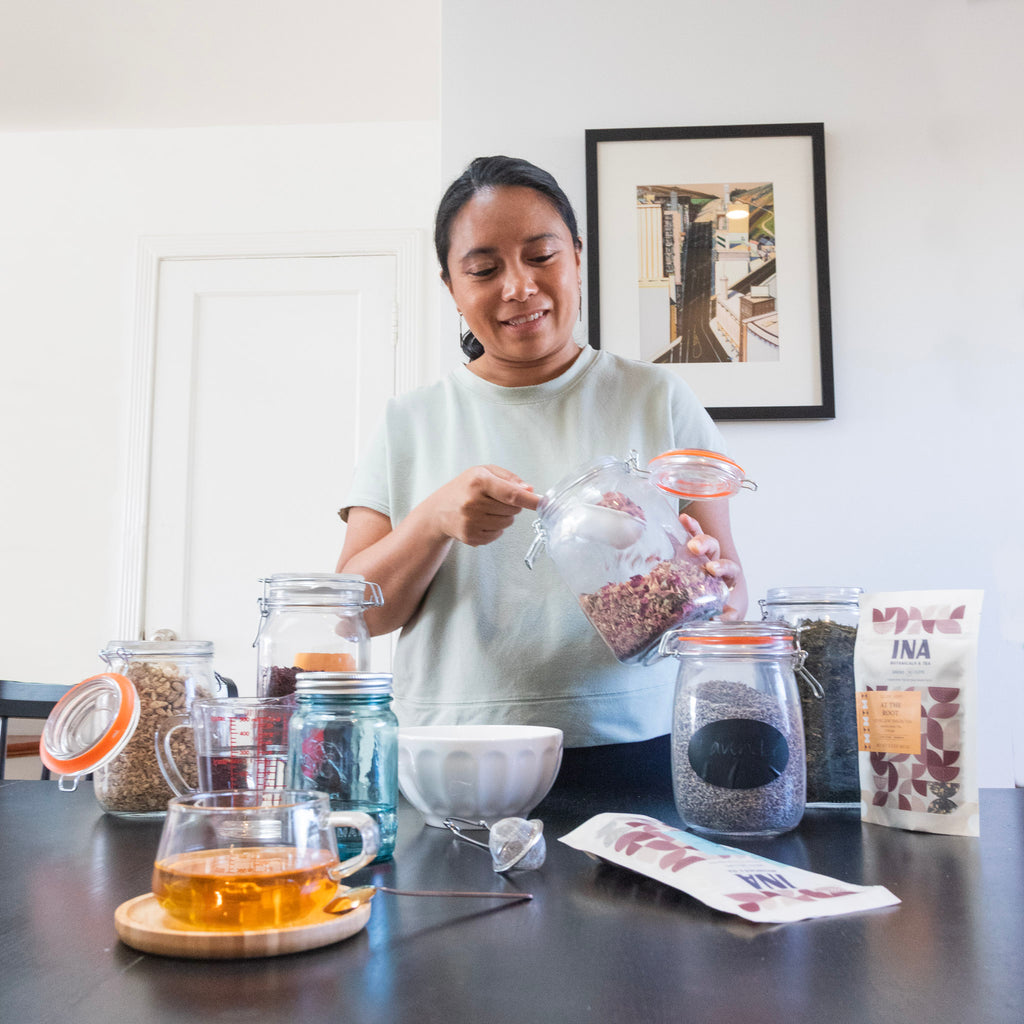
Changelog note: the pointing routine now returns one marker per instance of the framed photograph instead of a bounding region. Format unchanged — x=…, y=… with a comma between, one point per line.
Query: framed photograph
x=707, y=250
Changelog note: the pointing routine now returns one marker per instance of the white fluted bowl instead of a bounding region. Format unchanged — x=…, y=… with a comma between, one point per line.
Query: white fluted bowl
x=480, y=772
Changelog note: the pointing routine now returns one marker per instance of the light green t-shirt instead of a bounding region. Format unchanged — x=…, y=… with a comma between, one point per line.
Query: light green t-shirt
x=492, y=640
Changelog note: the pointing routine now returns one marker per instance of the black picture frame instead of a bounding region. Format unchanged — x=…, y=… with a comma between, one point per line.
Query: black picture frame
x=785, y=162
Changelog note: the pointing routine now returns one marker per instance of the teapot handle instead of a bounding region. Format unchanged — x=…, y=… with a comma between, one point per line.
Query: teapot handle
x=369, y=833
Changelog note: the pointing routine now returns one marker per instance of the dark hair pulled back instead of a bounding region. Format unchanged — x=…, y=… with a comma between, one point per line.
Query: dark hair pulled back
x=487, y=172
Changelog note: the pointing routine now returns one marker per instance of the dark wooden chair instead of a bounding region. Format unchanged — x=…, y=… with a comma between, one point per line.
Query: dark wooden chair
x=230, y=689
x=37, y=700
x=25, y=700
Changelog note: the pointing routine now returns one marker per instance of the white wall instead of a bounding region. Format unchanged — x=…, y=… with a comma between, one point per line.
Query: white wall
x=917, y=482
x=110, y=129
x=75, y=206
x=94, y=64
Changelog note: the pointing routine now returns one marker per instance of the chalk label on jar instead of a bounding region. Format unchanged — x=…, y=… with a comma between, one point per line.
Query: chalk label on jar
x=738, y=753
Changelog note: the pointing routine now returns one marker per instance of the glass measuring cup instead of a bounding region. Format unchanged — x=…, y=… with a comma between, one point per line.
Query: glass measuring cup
x=240, y=743
x=254, y=859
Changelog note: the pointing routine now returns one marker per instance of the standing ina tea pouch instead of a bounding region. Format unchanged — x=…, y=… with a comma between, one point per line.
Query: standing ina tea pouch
x=915, y=665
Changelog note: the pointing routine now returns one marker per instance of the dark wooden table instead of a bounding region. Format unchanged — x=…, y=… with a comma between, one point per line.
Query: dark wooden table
x=597, y=943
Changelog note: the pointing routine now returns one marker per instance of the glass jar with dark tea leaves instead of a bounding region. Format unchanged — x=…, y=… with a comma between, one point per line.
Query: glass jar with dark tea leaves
x=343, y=741
x=826, y=620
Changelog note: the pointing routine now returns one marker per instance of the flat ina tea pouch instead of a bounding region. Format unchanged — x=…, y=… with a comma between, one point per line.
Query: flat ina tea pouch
x=723, y=877
x=915, y=666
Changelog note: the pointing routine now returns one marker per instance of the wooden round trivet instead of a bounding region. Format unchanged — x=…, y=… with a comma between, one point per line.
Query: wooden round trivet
x=143, y=924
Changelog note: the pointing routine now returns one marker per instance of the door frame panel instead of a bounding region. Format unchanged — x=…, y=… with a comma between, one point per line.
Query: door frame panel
x=404, y=245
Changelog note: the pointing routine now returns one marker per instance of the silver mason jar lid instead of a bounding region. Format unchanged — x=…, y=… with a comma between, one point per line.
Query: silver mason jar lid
x=356, y=684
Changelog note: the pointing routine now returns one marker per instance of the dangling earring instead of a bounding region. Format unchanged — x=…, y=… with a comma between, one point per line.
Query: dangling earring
x=578, y=328
x=462, y=328
x=580, y=284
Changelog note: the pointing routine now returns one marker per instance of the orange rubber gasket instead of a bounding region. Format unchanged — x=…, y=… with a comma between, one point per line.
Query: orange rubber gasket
x=700, y=452
x=122, y=720
x=730, y=639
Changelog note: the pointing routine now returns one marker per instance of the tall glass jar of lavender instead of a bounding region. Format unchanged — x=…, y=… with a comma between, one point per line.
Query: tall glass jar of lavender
x=826, y=620
x=613, y=532
x=737, y=736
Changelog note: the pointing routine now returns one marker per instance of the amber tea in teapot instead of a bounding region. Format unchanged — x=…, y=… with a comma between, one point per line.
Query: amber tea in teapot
x=262, y=887
x=252, y=859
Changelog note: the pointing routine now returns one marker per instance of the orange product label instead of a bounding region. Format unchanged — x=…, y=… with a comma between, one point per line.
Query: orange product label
x=889, y=721
x=322, y=662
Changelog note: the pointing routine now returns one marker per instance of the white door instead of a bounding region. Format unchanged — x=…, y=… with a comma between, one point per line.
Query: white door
x=268, y=375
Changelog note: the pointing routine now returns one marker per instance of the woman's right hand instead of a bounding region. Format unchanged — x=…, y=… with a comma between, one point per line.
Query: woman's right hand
x=475, y=508
x=479, y=504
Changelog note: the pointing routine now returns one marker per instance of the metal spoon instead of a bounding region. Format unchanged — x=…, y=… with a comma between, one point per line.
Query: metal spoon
x=352, y=898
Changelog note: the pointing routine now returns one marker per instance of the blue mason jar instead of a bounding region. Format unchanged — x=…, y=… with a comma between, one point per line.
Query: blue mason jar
x=343, y=741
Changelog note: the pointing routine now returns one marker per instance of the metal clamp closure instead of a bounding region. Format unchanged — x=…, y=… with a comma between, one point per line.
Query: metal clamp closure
x=798, y=667
x=539, y=538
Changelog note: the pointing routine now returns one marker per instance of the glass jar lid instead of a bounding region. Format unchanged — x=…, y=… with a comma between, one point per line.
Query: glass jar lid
x=728, y=639
x=319, y=588
x=127, y=649
x=813, y=595
x=90, y=725
x=352, y=684
x=695, y=474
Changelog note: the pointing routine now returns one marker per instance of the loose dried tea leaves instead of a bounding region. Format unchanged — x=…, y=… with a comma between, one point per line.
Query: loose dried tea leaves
x=631, y=616
x=282, y=680
x=132, y=783
x=830, y=723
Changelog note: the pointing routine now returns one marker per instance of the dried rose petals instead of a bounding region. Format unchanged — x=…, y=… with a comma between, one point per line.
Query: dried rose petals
x=618, y=501
x=632, y=615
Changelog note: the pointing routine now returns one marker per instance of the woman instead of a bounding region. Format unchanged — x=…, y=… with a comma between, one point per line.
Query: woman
x=434, y=511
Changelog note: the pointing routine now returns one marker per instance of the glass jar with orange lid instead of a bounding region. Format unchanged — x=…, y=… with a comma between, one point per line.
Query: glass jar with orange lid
x=612, y=529
x=107, y=724
x=738, y=764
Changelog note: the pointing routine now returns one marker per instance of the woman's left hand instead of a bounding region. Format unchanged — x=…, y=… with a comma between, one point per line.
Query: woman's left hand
x=727, y=570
